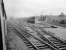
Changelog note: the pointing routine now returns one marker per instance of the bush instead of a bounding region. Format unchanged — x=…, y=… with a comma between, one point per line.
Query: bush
x=63, y=22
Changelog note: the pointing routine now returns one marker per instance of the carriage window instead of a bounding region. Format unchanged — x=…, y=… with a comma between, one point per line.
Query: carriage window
x=18, y=16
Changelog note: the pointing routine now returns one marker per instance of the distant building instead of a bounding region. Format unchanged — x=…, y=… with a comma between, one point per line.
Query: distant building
x=51, y=19
x=40, y=19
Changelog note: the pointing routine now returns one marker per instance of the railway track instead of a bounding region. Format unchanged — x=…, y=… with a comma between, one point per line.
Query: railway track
x=32, y=42
x=26, y=41
x=45, y=39
x=57, y=43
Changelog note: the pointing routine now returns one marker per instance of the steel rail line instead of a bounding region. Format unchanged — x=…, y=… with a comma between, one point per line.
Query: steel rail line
x=27, y=42
x=40, y=47
x=58, y=42
x=45, y=39
x=49, y=33
x=55, y=41
x=49, y=43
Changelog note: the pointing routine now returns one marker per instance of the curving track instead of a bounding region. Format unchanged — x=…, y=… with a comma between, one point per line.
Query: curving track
x=32, y=42
x=41, y=41
x=57, y=43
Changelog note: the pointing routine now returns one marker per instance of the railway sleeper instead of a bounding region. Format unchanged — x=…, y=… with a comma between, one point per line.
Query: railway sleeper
x=42, y=47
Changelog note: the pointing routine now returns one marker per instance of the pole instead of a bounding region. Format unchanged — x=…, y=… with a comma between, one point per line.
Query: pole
x=3, y=24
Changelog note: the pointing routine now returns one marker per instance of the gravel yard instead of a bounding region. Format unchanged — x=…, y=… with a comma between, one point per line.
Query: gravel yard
x=60, y=32
x=14, y=42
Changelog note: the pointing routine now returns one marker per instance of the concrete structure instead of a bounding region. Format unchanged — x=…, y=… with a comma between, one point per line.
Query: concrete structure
x=40, y=19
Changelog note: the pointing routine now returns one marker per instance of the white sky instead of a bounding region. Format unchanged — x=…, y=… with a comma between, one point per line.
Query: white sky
x=25, y=8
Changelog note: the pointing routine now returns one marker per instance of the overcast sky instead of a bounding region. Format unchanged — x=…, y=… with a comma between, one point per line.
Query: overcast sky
x=25, y=8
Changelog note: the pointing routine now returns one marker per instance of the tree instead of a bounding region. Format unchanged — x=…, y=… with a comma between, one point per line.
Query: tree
x=63, y=22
